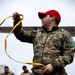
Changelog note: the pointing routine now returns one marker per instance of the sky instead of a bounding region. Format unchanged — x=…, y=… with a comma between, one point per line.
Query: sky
x=23, y=51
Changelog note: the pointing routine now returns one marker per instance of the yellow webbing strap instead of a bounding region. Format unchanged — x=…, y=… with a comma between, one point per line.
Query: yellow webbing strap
x=4, y=20
x=5, y=43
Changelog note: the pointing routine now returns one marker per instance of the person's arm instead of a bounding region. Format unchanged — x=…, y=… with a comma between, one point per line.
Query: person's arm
x=68, y=52
x=23, y=35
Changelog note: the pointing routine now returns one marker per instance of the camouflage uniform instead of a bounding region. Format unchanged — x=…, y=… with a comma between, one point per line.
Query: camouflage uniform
x=9, y=73
x=25, y=73
x=54, y=47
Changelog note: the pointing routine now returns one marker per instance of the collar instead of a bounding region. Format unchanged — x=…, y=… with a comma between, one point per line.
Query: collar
x=26, y=71
x=53, y=29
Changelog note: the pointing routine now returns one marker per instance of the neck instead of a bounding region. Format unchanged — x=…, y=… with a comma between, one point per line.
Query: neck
x=51, y=27
x=25, y=71
x=6, y=72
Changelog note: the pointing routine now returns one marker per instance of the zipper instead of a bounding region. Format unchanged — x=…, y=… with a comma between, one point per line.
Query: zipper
x=43, y=49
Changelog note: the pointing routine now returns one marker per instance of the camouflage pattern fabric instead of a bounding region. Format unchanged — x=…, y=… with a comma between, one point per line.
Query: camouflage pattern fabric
x=7, y=73
x=54, y=47
x=23, y=73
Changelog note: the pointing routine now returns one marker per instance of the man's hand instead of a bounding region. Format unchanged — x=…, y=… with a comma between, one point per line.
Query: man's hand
x=16, y=16
x=48, y=69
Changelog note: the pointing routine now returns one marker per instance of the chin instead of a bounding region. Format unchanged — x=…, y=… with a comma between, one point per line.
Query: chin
x=44, y=27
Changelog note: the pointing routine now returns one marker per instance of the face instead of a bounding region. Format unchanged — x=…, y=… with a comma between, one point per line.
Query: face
x=6, y=70
x=24, y=69
x=46, y=21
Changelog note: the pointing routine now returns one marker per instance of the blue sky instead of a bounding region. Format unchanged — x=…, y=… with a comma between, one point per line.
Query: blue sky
x=29, y=8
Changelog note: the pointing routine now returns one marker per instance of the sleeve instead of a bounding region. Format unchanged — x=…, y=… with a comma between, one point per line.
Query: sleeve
x=24, y=35
x=68, y=53
x=21, y=74
x=13, y=74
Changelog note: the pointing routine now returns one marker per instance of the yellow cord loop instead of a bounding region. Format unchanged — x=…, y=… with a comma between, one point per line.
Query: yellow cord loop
x=4, y=20
x=5, y=43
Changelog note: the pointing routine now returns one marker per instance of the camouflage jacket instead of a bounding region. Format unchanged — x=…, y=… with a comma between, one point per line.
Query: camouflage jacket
x=54, y=47
x=7, y=73
x=27, y=73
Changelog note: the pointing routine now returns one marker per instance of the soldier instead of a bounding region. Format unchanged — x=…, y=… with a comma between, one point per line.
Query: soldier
x=25, y=71
x=6, y=71
x=54, y=47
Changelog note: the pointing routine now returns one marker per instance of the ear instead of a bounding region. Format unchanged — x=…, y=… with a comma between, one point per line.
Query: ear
x=53, y=18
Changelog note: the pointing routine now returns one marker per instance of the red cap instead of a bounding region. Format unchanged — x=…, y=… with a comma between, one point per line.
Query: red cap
x=50, y=12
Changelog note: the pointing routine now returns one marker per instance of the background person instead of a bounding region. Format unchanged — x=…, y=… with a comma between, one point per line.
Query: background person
x=25, y=71
x=6, y=71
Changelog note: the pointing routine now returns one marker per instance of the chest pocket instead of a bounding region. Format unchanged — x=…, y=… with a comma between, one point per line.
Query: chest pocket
x=57, y=40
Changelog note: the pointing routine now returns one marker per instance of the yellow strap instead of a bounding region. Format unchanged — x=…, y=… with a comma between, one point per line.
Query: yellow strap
x=4, y=20
x=5, y=43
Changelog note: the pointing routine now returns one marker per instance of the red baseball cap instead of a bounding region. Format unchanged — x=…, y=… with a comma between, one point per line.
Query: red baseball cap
x=50, y=12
